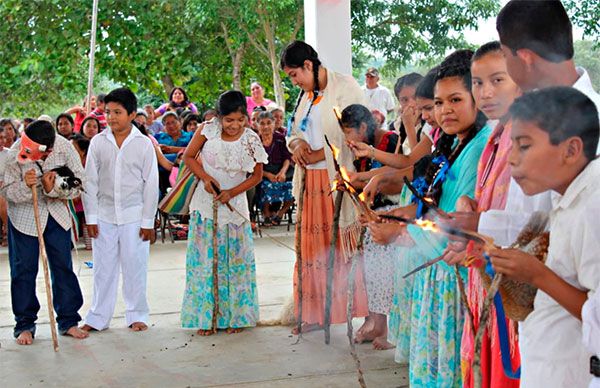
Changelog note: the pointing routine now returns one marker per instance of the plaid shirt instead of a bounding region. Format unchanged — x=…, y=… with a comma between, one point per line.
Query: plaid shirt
x=19, y=197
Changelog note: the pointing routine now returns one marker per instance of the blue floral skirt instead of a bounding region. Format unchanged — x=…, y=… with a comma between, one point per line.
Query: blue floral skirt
x=238, y=297
x=275, y=192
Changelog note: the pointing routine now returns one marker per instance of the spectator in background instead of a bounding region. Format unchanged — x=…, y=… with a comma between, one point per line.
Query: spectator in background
x=10, y=132
x=209, y=115
x=64, y=125
x=276, y=185
x=278, y=116
x=379, y=118
x=177, y=99
x=80, y=112
x=254, y=117
x=99, y=111
x=140, y=117
x=256, y=98
x=190, y=123
x=171, y=142
x=378, y=96
x=152, y=126
x=90, y=127
x=25, y=123
x=3, y=206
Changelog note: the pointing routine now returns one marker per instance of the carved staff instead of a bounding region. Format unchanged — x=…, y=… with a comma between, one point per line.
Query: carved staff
x=299, y=262
x=215, y=242
x=349, y=307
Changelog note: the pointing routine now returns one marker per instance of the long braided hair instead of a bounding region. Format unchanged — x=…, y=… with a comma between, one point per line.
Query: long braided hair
x=294, y=56
x=456, y=64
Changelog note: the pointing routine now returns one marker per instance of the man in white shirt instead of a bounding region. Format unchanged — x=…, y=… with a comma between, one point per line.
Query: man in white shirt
x=378, y=96
x=120, y=203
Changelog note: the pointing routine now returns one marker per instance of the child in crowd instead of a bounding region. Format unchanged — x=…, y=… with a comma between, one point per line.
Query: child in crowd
x=99, y=112
x=555, y=136
x=230, y=162
x=120, y=204
x=90, y=127
x=28, y=167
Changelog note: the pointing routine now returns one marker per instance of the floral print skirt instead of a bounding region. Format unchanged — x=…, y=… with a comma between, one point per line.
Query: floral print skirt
x=238, y=297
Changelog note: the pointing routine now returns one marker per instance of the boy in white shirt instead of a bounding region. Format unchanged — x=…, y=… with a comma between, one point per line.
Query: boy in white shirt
x=120, y=203
x=555, y=136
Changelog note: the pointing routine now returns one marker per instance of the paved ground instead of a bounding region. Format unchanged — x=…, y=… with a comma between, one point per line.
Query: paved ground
x=168, y=356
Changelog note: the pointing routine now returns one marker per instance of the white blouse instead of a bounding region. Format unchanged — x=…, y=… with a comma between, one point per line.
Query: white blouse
x=229, y=162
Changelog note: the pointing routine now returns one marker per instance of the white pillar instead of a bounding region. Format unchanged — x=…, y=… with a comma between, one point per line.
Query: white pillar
x=327, y=29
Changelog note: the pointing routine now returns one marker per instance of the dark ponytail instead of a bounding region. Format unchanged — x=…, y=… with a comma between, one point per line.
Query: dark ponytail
x=354, y=115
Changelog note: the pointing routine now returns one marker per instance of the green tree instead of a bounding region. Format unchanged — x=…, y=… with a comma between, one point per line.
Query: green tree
x=587, y=55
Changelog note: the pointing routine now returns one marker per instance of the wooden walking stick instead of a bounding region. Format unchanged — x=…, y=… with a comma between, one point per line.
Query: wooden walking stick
x=349, y=308
x=299, y=262
x=40, y=233
x=215, y=242
x=330, y=264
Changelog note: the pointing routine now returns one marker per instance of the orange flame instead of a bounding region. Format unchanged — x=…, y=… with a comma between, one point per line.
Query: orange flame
x=337, y=112
x=427, y=225
x=362, y=196
x=344, y=174
x=336, y=151
x=427, y=199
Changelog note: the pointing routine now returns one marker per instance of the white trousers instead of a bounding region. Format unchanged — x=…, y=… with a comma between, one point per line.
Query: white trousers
x=119, y=247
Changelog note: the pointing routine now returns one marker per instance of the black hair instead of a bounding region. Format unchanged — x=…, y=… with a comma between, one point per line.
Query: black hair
x=67, y=116
x=231, y=101
x=100, y=98
x=188, y=119
x=259, y=108
x=42, y=132
x=425, y=87
x=3, y=122
x=294, y=56
x=457, y=64
x=562, y=112
x=89, y=118
x=265, y=115
x=182, y=112
x=410, y=79
x=487, y=48
x=124, y=97
x=356, y=114
x=540, y=26
x=142, y=129
x=185, y=101
x=82, y=142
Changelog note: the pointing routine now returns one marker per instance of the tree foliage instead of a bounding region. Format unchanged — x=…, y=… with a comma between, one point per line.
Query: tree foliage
x=207, y=46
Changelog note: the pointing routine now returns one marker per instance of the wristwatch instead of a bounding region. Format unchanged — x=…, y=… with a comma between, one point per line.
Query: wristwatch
x=595, y=366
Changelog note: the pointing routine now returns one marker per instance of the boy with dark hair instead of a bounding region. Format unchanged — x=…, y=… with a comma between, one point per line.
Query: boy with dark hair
x=32, y=160
x=555, y=136
x=99, y=111
x=120, y=203
x=539, y=53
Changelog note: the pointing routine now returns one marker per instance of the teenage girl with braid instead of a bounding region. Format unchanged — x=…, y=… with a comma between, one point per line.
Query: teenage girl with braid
x=313, y=117
x=436, y=314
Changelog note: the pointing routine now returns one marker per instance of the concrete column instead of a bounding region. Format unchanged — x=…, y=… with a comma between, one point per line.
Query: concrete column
x=327, y=29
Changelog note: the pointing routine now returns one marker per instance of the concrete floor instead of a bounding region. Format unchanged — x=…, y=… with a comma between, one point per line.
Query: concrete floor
x=168, y=356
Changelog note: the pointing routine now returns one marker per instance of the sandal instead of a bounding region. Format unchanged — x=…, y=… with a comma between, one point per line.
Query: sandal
x=276, y=220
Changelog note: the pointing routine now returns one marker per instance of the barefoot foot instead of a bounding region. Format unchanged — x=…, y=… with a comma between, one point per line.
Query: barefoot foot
x=77, y=333
x=381, y=343
x=25, y=338
x=307, y=328
x=88, y=328
x=138, y=326
x=366, y=327
x=205, y=333
x=234, y=330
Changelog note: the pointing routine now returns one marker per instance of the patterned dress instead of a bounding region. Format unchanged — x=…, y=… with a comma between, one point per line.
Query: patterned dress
x=436, y=310
x=229, y=163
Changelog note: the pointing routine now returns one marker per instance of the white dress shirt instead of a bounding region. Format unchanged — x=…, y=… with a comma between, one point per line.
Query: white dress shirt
x=379, y=98
x=122, y=183
x=551, y=353
x=590, y=315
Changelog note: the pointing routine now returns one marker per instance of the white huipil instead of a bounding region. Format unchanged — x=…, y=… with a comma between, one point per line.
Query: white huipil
x=121, y=197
